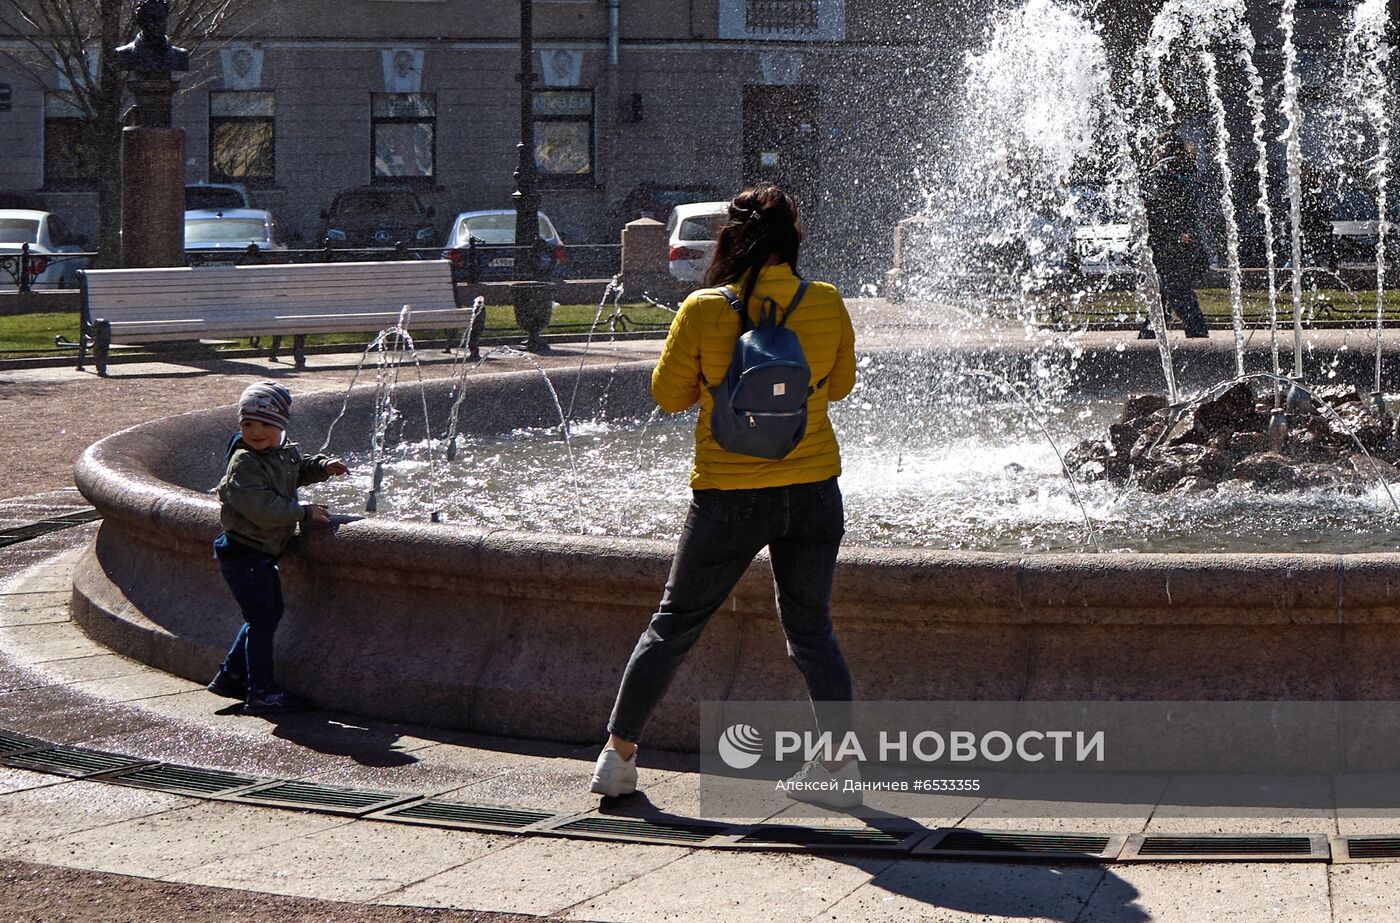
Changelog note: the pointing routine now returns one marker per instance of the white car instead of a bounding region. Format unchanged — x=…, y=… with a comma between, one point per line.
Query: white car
x=691, y=231
x=50, y=240
x=223, y=235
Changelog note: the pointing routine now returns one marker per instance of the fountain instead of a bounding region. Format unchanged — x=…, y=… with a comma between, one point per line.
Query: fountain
x=1227, y=570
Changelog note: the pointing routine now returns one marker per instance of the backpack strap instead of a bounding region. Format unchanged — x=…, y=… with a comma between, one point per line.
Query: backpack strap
x=796, y=297
x=745, y=325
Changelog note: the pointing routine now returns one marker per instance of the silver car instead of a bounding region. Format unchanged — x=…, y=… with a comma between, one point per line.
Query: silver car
x=224, y=235
x=50, y=242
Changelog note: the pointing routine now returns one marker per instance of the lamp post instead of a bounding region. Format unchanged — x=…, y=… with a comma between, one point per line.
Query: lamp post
x=533, y=298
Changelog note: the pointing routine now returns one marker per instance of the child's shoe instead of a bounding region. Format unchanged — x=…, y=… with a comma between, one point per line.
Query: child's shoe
x=815, y=784
x=272, y=701
x=229, y=685
x=613, y=776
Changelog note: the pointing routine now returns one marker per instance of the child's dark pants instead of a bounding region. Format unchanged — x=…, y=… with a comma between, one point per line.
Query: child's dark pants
x=253, y=578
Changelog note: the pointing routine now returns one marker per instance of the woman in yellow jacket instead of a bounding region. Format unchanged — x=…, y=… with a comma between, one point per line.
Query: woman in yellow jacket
x=741, y=503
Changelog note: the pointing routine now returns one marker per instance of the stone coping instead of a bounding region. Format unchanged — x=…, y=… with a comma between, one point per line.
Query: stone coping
x=525, y=634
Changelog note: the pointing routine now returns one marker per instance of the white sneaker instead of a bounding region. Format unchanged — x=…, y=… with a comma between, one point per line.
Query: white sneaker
x=614, y=776
x=815, y=784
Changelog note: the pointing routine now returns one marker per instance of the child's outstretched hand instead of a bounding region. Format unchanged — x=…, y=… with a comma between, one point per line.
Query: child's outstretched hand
x=337, y=467
x=315, y=512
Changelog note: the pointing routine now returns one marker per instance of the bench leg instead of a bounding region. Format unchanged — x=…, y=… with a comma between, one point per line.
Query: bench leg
x=276, y=348
x=474, y=337
x=102, y=343
x=299, y=350
x=83, y=334
x=451, y=336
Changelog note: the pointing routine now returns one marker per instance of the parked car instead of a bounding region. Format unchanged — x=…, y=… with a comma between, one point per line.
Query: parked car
x=378, y=216
x=223, y=235
x=1355, y=224
x=202, y=196
x=656, y=200
x=489, y=234
x=691, y=231
x=49, y=239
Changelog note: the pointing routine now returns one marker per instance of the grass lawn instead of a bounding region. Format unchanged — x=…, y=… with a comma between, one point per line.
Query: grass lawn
x=1324, y=306
x=33, y=334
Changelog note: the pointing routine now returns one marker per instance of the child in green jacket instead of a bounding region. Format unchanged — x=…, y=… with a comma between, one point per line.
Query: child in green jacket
x=259, y=514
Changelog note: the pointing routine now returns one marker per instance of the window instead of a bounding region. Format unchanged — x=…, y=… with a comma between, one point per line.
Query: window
x=69, y=162
x=242, y=140
x=564, y=135
x=403, y=140
x=783, y=20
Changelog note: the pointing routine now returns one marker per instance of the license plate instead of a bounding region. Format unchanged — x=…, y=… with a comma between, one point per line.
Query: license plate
x=503, y=261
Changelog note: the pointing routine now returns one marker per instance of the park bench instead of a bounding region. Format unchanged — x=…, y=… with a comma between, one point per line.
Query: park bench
x=155, y=305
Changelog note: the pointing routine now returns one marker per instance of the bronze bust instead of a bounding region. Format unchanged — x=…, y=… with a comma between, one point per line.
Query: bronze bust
x=151, y=52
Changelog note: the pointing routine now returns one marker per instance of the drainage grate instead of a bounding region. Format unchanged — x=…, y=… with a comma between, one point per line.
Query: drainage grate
x=329, y=799
x=1225, y=847
x=169, y=777
x=29, y=531
x=837, y=838
x=432, y=812
x=11, y=744
x=638, y=830
x=1010, y=844
x=75, y=518
x=74, y=762
x=1365, y=848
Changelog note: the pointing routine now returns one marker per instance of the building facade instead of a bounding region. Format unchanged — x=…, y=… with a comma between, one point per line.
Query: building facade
x=841, y=101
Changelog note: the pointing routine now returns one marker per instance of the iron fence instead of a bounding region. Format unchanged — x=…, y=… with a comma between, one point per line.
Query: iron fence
x=472, y=264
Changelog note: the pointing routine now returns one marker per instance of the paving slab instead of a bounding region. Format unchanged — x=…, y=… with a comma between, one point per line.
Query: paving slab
x=351, y=862
x=912, y=891
x=716, y=886
x=1215, y=893
x=33, y=608
x=538, y=875
x=1365, y=892
x=163, y=844
x=75, y=670
x=58, y=810
x=1227, y=804
x=44, y=642
x=14, y=780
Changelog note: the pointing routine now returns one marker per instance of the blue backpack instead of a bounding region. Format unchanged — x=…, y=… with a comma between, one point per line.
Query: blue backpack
x=761, y=405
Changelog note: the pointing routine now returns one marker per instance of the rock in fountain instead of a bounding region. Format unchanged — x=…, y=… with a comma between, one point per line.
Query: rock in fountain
x=1227, y=441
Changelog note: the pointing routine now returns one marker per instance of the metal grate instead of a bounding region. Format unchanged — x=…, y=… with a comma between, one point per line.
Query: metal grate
x=16, y=534
x=330, y=799
x=1013, y=843
x=1366, y=848
x=800, y=17
x=641, y=831
x=11, y=744
x=1225, y=847
x=169, y=777
x=854, y=838
x=74, y=762
x=460, y=814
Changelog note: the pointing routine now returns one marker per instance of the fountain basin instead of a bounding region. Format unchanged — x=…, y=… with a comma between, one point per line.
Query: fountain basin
x=526, y=634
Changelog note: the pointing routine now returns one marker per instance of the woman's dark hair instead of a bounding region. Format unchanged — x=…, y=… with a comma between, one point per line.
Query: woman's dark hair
x=762, y=223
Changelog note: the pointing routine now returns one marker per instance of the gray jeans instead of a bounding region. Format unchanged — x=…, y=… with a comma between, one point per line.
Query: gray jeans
x=801, y=525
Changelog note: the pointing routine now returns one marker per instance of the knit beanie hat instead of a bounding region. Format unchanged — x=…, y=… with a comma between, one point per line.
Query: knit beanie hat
x=266, y=401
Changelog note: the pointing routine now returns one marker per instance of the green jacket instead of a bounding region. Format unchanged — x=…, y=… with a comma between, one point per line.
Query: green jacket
x=259, y=494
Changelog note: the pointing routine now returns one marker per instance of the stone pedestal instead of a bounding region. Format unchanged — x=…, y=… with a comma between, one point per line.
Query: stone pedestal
x=153, y=197
x=645, y=252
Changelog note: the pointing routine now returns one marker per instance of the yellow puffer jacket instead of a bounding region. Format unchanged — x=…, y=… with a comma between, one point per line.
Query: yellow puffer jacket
x=701, y=343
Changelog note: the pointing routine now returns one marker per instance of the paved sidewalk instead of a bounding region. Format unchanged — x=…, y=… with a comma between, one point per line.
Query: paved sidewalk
x=58, y=685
